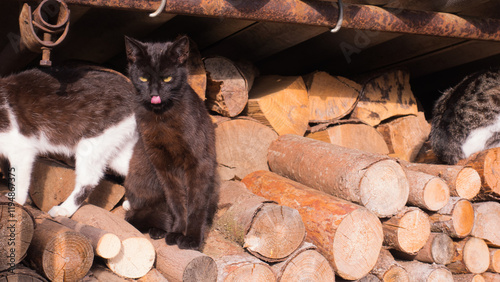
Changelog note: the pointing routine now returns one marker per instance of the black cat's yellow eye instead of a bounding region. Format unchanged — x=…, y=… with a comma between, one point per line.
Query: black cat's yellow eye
x=167, y=79
x=143, y=79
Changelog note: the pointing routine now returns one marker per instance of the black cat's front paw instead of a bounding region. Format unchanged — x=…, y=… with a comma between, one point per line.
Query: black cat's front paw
x=185, y=242
x=171, y=238
x=156, y=233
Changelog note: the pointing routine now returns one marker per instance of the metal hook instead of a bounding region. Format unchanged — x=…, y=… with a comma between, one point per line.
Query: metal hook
x=340, y=18
x=160, y=9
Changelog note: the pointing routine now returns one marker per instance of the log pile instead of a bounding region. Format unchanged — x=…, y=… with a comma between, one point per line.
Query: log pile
x=324, y=179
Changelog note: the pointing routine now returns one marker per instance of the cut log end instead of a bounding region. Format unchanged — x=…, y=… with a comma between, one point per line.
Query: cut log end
x=357, y=244
x=396, y=274
x=387, y=195
x=494, y=260
x=436, y=194
x=135, y=259
x=414, y=230
x=108, y=246
x=308, y=266
x=440, y=275
x=463, y=218
x=475, y=255
x=201, y=268
x=286, y=232
x=468, y=183
x=69, y=256
x=442, y=249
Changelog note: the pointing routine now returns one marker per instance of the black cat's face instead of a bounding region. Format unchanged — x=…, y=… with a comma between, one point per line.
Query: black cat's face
x=158, y=70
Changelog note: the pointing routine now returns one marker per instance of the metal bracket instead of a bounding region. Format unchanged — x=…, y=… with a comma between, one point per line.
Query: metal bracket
x=340, y=17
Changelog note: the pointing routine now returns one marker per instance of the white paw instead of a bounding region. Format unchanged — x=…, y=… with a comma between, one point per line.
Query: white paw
x=59, y=211
x=126, y=205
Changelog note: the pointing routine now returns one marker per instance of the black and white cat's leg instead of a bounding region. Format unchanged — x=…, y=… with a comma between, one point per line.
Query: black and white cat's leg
x=89, y=169
x=21, y=166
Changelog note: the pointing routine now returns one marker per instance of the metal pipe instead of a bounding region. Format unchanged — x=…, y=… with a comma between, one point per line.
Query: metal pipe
x=322, y=13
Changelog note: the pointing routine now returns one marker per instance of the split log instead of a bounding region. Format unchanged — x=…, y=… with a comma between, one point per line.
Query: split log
x=427, y=191
x=487, y=222
x=241, y=146
x=487, y=165
x=305, y=264
x=405, y=135
x=183, y=265
x=426, y=272
x=374, y=181
x=330, y=97
x=387, y=269
x=197, y=77
x=280, y=102
x=136, y=256
x=407, y=231
x=491, y=277
x=455, y=219
x=16, y=233
x=351, y=134
x=21, y=273
x=59, y=253
x=439, y=249
x=468, y=277
x=268, y=231
x=471, y=256
x=228, y=85
x=384, y=96
x=233, y=263
x=105, y=244
x=494, y=260
x=348, y=235
x=463, y=181
x=53, y=182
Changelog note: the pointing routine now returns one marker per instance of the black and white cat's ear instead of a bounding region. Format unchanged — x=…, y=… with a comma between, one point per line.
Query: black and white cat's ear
x=180, y=49
x=134, y=49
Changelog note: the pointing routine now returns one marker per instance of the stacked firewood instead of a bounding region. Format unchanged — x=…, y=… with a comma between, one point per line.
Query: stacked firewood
x=323, y=179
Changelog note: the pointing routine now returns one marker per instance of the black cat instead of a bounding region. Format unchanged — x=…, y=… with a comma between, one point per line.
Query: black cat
x=466, y=119
x=172, y=185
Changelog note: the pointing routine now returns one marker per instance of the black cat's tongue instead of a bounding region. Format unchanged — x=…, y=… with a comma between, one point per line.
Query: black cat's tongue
x=155, y=100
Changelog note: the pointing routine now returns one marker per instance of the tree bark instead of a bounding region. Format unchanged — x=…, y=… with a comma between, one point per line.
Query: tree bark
x=427, y=272
x=387, y=269
x=374, y=181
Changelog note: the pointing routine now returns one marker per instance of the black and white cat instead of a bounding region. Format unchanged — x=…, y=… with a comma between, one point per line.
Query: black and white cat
x=79, y=112
x=466, y=118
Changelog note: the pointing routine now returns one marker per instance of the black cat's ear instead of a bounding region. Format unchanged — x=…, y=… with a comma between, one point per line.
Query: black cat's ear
x=180, y=49
x=134, y=49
